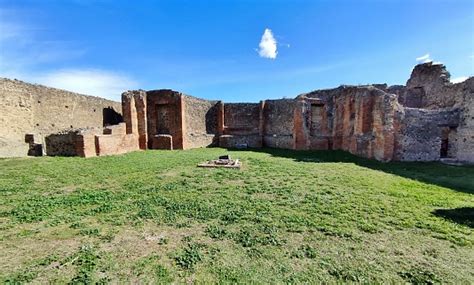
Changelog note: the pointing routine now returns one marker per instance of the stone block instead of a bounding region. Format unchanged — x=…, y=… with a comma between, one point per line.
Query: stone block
x=116, y=144
x=162, y=142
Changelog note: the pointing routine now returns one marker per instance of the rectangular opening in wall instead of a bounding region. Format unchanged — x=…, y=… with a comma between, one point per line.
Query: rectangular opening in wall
x=316, y=119
x=447, y=133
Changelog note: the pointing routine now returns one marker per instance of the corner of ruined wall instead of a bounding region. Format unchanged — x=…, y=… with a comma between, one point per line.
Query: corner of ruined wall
x=85, y=145
x=463, y=140
x=429, y=87
x=357, y=119
x=134, y=106
x=419, y=135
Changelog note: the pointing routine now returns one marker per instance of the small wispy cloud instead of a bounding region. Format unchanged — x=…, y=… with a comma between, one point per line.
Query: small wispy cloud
x=24, y=53
x=268, y=45
x=459, y=79
x=95, y=82
x=424, y=58
x=427, y=58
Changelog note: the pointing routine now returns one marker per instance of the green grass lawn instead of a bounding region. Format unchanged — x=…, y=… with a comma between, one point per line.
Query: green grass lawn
x=285, y=217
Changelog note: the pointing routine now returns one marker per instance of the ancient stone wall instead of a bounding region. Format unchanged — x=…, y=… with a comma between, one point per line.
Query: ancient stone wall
x=428, y=119
x=241, y=118
x=241, y=125
x=278, y=123
x=165, y=116
x=429, y=87
x=91, y=142
x=420, y=135
x=463, y=138
x=432, y=82
x=61, y=144
x=358, y=119
x=200, y=122
x=30, y=108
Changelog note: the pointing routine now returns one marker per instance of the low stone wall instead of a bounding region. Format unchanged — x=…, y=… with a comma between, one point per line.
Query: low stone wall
x=116, y=144
x=92, y=142
x=61, y=144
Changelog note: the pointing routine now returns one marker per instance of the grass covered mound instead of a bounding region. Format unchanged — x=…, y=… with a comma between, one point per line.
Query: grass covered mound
x=286, y=216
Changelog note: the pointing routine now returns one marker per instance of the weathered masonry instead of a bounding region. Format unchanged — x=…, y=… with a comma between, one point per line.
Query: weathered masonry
x=427, y=120
x=29, y=113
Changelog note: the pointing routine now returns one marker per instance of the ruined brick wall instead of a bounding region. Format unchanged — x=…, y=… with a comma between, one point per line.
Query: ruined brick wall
x=463, y=138
x=429, y=87
x=91, y=142
x=431, y=83
x=428, y=119
x=278, y=123
x=16, y=118
x=242, y=124
x=165, y=115
x=241, y=118
x=116, y=144
x=364, y=122
x=200, y=122
x=30, y=108
x=61, y=144
x=420, y=135
x=358, y=119
x=134, y=108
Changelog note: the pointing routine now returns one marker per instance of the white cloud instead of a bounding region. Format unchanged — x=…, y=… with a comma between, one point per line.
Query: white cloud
x=424, y=58
x=459, y=79
x=94, y=82
x=268, y=45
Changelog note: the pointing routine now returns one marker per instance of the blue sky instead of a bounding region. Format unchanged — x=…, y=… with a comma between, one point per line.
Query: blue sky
x=210, y=49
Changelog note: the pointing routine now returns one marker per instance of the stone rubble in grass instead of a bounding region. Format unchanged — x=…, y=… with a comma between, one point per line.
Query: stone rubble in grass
x=224, y=161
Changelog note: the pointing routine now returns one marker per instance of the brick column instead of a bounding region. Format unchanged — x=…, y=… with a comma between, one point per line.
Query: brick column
x=129, y=112
x=220, y=118
x=299, y=130
x=182, y=114
x=141, y=110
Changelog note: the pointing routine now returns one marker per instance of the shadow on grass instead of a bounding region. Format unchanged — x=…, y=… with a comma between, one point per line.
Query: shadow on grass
x=463, y=216
x=458, y=178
